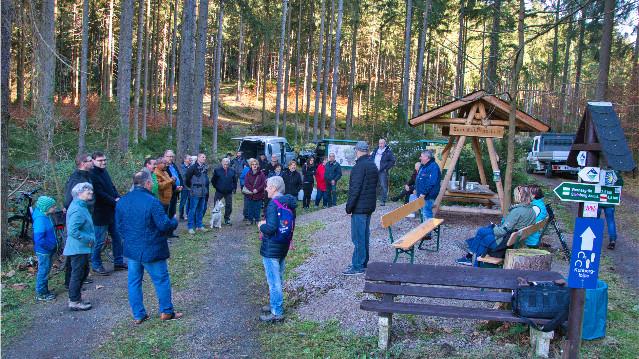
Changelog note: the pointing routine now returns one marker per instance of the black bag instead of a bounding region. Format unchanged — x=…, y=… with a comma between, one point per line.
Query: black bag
x=542, y=300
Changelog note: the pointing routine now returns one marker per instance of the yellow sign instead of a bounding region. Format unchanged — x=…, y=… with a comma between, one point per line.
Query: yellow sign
x=476, y=131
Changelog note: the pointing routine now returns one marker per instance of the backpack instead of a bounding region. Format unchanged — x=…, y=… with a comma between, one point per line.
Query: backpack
x=286, y=223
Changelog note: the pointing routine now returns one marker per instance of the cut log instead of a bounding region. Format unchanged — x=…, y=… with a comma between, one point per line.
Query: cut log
x=528, y=259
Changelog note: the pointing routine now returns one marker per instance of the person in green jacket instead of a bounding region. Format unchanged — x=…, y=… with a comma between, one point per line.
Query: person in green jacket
x=611, y=178
x=80, y=237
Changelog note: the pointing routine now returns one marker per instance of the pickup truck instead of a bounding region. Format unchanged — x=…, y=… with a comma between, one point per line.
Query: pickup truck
x=254, y=146
x=549, y=154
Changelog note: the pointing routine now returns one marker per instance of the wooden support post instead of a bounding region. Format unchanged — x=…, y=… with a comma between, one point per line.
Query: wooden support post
x=540, y=342
x=482, y=114
x=494, y=163
x=385, y=323
x=446, y=151
x=471, y=114
x=449, y=173
x=479, y=161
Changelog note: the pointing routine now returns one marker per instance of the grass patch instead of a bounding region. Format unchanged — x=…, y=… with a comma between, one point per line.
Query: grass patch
x=296, y=338
x=156, y=338
x=16, y=302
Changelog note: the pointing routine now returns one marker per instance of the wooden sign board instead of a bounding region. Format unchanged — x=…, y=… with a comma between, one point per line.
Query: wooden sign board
x=476, y=131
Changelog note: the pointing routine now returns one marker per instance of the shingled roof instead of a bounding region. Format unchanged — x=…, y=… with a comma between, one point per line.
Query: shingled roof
x=609, y=135
x=496, y=108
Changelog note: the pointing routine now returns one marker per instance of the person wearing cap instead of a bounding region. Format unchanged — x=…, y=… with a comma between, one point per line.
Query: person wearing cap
x=44, y=245
x=384, y=160
x=361, y=203
x=80, y=239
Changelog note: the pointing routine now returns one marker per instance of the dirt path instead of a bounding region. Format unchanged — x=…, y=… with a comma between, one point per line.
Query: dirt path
x=626, y=254
x=219, y=314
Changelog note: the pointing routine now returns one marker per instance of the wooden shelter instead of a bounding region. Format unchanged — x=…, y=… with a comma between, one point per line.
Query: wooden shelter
x=478, y=116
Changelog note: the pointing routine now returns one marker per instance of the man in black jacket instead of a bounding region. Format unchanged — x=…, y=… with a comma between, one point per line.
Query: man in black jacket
x=292, y=179
x=84, y=164
x=332, y=174
x=362, y=198
x=197, y=179
x=106, y=197
x=384, y=160
x=224, y=180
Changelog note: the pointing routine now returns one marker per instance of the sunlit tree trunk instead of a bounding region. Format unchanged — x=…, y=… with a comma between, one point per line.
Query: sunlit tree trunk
x=406, y=68
x=6, y=19
x=199, y=72
x=420, y=58
x=171, y=90
x=185, y=84
x=336, y=61
x=83, y=75
x=319, y=71
x=352, y=75
x=601, y=91
x=239, y=60
x=138, y=71
x=215, y=99
x=44, y=56
x=327, y=67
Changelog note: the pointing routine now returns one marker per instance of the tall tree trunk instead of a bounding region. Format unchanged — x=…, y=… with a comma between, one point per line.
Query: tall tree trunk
x=124, y=70
x=420, y=58
x=564, y=76
x=297, y=72
x=514, y=88
x=578, y=62
x=308, y=72
x=459, y=85
x=239, y=60
x=83, y=75
x=493, y=55
x=265, y=69
x=110, y=51
x=327, y=67
x=601, y=91
x=336, y=61
x=172, y=71
x=185, y=85
x=44, y=47
x=138, y=72
x=320, y=53
x=6, y=24
x=216, y=93
x=20, y=55
x=145, y=89
x=287, y=61
x=555, y=46
x=199, y=72
x=352, y=75
x=406, y=67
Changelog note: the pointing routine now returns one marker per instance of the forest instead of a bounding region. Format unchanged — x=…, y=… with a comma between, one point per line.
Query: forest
x=75, y=70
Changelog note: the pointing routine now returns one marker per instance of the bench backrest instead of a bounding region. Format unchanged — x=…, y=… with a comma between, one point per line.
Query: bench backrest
x=468, y=277
x=397, y=214
x=526, y=232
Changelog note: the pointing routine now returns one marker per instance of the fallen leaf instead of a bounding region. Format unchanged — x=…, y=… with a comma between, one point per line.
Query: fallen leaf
x=10, y=273
x=99, y=287
x=19, y=286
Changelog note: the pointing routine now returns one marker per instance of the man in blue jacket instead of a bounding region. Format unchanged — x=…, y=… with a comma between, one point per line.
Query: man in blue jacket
x=361, y=203
x=427, y=182
x=332, y=174
x=224, y=180
x=144, y=226
x=384, y=160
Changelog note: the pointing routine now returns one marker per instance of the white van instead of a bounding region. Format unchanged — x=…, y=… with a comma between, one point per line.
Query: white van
x=254, y=146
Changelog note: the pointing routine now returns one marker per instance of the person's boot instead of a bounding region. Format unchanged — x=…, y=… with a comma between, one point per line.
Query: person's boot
x=265, y=309
x=79, y=306
x=271, y=318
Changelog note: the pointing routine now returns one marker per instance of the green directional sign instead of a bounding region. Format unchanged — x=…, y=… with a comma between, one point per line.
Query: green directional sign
x=588, y=192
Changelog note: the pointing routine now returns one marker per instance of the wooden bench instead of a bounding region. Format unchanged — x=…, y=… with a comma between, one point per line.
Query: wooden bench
x=406, y=244
x=514, y=240
x=457, y=285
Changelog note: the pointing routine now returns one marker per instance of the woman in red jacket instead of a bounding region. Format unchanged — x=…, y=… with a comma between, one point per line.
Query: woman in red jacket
x=321, y=183
x=253, y=190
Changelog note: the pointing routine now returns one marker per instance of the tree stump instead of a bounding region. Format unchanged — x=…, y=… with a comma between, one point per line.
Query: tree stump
x=528, y=259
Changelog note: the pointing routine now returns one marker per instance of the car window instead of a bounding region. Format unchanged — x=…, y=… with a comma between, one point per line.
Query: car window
x=288, y=147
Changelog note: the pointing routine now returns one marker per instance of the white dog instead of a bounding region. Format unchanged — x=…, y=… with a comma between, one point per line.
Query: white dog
x=216, y=214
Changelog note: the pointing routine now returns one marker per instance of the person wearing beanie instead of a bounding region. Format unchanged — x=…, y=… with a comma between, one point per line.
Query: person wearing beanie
x=44, y=245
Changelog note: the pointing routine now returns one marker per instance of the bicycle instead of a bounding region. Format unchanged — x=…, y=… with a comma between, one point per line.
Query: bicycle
x=24, y=215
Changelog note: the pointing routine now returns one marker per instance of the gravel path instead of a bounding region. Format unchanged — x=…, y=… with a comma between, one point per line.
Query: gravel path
x=325, y=294
x=220, y=317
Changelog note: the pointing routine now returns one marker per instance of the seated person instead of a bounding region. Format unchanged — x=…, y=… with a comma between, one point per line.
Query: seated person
x=539, y=207
x=409, y=187
x=492, y=239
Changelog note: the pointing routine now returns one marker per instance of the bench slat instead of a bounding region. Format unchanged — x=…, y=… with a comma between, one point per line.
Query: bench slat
x=438, y=292
x=397, y=214
x=444, y=311
x=453, y=276
x=525, y=232
x=409, y=239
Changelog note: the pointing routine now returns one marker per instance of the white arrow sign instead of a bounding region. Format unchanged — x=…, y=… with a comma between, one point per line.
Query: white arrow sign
x=587, y=239
x=590, y=174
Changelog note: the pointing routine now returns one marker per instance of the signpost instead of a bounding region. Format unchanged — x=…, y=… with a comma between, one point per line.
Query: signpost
x=586, y=253
x=588, y=192
x=589, y=174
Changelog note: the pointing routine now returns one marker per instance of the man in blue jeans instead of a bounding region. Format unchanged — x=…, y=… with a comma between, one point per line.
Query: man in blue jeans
x=361, y=203
x=611, y=178
x=427, y=183
x=197, y=179
x=332, y=174
x=144, y=225
x=106, y=196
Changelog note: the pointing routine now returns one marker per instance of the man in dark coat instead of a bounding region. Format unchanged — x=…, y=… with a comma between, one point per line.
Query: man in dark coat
x=197, y=179
x=238, y=163
x=82, y=174
x=292, y=180
x=332, y=174
x=106, y=196
x=224, y=180
x=144, y=226
x=361, y=203
x=384, y=160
